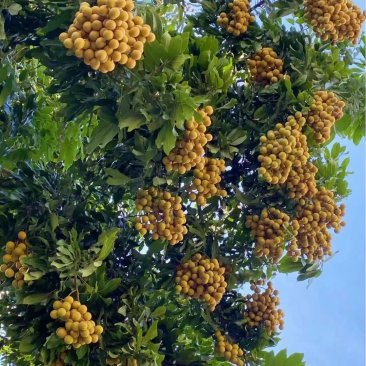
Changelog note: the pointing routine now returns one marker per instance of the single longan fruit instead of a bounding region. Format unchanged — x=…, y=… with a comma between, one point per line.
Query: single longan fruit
x=113, y=43
x=87, y=316
x=103, y=10
x=79, y=43
x=111, y=3
x=136, y=54
x=123, y=47
x=61, y=312
x=108, y=35
x=98, y=329
x=150, y=37
x=61, y=332
x=114, y=13
x=63, y=36
x=129, y=6
x=68, y=339
x=54, y=314
x=68, y=43
x=97, y=25
x=9, y=273
x=89, y=54
x=100, y=42
x=116, y=56
x=66, y=306
x=18, y=252
x=109, y=65
x=118, y=34
x=110, y=24
x=100, y=55
x=131, y=63
x=145, y=31
x=123, y=61
x=95, y=338
x=75, y=304
x=76, y=316
x=93, y=35
x=3, y=267
x=134, y=32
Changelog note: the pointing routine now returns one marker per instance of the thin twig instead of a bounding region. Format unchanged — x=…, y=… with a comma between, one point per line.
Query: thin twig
x=262, y=2
x=76, y=288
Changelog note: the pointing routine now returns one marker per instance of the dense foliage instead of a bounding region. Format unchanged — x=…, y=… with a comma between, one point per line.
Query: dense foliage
x=171, y=154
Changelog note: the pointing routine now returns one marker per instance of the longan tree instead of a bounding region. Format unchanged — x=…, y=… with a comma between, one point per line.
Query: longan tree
x=155, y=158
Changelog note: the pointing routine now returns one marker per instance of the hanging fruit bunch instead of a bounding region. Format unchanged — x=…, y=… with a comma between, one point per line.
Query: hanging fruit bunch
x=283, y=148
x=261, y=307
x=266, y=67
x=107, y=34
x=79, y=327
x=311, y=224
x=324, y=111
x=202, y=279
x=12, y=266
x=230, y=351
x=163, y=215
x=269, y=230
x=206, y=182
x=301, y=181
x=188, y=151
x=238, y=19
x=335, y=20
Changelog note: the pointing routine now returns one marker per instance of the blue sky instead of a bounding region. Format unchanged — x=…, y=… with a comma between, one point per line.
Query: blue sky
x=326, y=322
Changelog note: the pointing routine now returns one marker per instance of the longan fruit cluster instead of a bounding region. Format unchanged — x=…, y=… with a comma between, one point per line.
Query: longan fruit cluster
x=324, y=111
x=311, y=224
x=301, y=181
x=188, y=151
x=238, y=19
x=12, y=267
x=266, y=67
x=261, y=308
x=79, y=327
x=206, y=182
x=283, y=148
x=269, y=230
x=335, y=19
x=163, y=217
x=203, y=279
x=107, y=34
x=230, y=351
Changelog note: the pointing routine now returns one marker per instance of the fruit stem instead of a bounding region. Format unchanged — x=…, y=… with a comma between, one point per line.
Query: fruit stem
x=76, y=288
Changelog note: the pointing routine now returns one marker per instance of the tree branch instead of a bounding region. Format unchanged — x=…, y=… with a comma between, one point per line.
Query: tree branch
x=262, y=2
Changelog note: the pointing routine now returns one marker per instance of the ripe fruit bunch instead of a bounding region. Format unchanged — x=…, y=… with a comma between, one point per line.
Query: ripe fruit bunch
x=107, y=34
x=283, y=148
x=311, y=226
x=201, y=279
x=206, y=182
x=230, y=351
x=269, y=230
x=239, y=18
x=79, y=328
x=188, y=152
x=164, y=216
x=335, y=19
x=266, y=68
x=11, y=260
x=261, y=308
x=301, y=181
x=325, y=110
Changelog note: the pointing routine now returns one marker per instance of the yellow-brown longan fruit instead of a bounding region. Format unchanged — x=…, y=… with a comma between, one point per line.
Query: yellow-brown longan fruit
x=123, y=60
x=95, y=338
x=114, y=13
x=129, y=5
x=110, y=24
x=54, y=314
x=97, y=25
x=113, y=43
x=87, y=316
x=118, y=34
x=89, y=54
x=101, y=55
x=108, y=35
x=145, y=31
x=136, y=54
x=68, y=339
x=68, y=43
x=98, y=329
x=131, y=63
x=9, y=273
x=150, y=37
x=63, y=36
x=79, y=43
x=116, y=56
x=61, y=332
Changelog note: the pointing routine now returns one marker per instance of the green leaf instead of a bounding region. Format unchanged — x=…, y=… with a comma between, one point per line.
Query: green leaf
x=9, y=87
x=294, y=360
x=101, y=135
x=357, y=135
x=310, y=274
x=288, y=266
x=131, y=121
x=82, y=351
x=167, y=137
x=151, y=333
x=27, y=345
x=2, y=27
x=116, y=178
x=107, y=240
x=177, y=62
x=158, y=181
x=158, y=312
x=281, y=358
x=54, y=221
x=35, y=299
x=229, y=104
x=154, y=53
x=14, y=8
x=63, y=18
x=110, y=286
